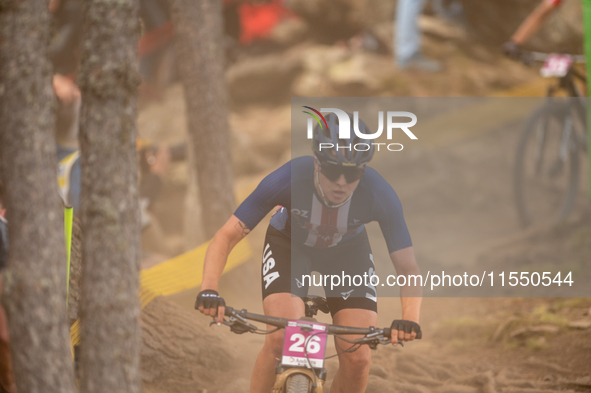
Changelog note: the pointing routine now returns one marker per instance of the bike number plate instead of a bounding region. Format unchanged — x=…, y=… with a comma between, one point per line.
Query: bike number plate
x=301, y=338
x=556, y=66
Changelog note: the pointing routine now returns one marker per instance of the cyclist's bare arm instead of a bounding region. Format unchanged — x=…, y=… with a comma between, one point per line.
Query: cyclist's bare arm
x=410, y=296
x=533, y=22
x=216, y=257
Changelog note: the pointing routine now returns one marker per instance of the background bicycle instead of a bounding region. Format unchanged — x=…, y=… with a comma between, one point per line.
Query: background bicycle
x=548, y=160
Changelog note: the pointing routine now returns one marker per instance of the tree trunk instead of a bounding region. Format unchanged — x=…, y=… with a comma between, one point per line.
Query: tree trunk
x=35, y=281
x=193, y=231
x=200, y=53
x=109, y=309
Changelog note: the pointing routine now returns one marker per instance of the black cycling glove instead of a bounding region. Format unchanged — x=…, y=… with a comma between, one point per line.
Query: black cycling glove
x=406, y=327
x=209, y=299
x=512, y=50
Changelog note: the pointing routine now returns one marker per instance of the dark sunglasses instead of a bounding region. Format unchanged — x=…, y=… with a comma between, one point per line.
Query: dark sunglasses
x=332, y=172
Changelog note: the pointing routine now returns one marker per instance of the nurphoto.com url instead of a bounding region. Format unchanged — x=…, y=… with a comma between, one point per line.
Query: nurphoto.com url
x=442, y=280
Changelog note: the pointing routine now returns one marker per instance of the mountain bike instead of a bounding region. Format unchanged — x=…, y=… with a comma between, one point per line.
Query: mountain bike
x=547, y=164
x=301, y=368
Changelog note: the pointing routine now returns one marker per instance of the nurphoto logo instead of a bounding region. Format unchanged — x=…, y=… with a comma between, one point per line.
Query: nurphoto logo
x=392, y=123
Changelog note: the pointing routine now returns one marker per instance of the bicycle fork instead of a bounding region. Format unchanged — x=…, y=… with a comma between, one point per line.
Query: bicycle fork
x=283, y=373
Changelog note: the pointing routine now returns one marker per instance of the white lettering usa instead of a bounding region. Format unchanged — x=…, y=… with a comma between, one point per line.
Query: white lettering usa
x=268, y=264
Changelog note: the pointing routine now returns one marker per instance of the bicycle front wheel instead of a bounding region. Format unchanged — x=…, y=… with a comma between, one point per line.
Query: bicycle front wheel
x=298, y=383
x=546, y=171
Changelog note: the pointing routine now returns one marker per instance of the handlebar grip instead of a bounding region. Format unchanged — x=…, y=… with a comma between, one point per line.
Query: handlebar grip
x=228, y=311
x=388, y=333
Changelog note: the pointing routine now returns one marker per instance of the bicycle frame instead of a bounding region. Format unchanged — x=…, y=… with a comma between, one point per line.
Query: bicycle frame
x=567, y=84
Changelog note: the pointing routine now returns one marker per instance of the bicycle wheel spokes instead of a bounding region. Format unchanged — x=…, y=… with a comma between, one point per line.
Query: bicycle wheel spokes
x=546, y=171
x=539, y=151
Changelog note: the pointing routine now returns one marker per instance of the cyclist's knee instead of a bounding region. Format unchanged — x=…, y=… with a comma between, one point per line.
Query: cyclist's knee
x=357, y=361
x=274, y=344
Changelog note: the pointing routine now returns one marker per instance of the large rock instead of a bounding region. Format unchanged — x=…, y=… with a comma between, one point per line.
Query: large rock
x=180, y=354
x=333, y=20
x=317, y=60
x=263, y=78
x=258, y=145
x=330, y=20
x=289, y=32
x=361, y=75
x=340, y=71
x=494, y=22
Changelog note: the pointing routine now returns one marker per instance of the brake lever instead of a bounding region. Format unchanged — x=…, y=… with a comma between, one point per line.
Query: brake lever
x=389, y=341
x=237, y=325
x=376, y=339
x=224, y=322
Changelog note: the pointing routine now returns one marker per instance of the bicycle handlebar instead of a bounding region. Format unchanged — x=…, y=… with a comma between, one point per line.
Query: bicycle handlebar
x=335, y=329
x=528, y=57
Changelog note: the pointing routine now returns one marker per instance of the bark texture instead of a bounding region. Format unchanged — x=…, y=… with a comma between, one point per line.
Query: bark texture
x=109, y=309
x=35, y=281
x=200, y=53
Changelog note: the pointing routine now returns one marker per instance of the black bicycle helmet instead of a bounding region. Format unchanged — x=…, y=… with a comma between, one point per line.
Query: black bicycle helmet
x=361, y=150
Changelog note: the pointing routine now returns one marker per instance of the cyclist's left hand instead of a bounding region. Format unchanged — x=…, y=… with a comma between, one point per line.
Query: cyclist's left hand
x=405, y=330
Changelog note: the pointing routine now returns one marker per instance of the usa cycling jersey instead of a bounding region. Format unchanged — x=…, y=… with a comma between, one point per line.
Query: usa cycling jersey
x=307, y=220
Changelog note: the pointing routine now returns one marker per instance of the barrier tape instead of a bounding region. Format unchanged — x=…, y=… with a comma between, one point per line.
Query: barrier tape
x=68, y=219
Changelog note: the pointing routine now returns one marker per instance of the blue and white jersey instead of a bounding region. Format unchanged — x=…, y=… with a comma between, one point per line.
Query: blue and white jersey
x=304, y=218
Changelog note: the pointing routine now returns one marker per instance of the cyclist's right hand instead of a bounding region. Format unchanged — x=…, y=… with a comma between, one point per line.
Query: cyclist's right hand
x=405, y=330
x=210, y=303
x=512, y=50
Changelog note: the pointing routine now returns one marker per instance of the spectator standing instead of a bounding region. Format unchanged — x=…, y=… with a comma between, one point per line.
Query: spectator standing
x=407, y=38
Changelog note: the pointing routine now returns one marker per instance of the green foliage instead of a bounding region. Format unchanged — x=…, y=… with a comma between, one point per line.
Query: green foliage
x=536, y=343
x=569, y=303
x=544, y=314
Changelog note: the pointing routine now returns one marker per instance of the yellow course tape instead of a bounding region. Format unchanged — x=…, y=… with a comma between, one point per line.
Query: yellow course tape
x=535, y=88
x=176, y=275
